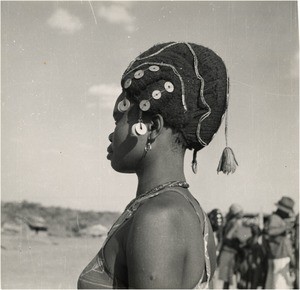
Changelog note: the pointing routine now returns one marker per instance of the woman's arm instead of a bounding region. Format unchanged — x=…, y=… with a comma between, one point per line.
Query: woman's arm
x=157, y=246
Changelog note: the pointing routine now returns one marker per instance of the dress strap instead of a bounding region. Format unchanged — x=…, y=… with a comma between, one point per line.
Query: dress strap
x=128, y=212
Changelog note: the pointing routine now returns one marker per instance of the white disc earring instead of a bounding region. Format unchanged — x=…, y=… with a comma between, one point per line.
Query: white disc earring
x=139, y=129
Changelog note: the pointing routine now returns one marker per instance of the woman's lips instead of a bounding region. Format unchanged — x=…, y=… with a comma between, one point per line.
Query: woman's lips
x=110, y=151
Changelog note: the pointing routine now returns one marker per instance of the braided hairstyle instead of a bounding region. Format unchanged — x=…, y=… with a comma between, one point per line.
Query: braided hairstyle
x=184, y=82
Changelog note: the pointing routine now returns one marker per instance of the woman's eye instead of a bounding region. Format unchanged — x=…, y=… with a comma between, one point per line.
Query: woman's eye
x=117, y=120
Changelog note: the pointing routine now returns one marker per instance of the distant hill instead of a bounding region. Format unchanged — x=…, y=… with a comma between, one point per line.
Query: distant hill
x=59, y=221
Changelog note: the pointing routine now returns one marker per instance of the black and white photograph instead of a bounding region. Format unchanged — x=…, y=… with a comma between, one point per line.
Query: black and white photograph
x=149, y=144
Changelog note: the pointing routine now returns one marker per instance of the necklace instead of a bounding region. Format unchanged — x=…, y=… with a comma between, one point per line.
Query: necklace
x=164, y=185
x=136, y=201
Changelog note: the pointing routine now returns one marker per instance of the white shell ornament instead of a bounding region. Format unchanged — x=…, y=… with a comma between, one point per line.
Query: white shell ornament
x=138, y=74
x=139, y=129
x=154, y=68
x=127, y=83
x=156, y=94
x=144, y=105
x=124, y=105
x=169, y=87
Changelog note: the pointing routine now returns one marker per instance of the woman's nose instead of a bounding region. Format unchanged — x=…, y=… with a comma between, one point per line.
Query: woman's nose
x=110, y=137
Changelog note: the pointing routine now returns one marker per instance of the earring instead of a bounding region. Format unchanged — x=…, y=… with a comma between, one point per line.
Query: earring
x=148, y=146
x=139, y=129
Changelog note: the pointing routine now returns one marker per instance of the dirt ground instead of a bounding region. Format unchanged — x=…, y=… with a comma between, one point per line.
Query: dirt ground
x=42, y=262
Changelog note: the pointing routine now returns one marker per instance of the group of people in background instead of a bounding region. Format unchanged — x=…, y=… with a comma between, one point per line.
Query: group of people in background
x=255, y=255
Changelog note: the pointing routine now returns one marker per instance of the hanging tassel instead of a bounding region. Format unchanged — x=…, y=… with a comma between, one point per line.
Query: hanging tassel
x=194, y=162
x=227, y=163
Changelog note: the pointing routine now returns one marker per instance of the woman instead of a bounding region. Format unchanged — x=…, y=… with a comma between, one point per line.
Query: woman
x=173, y=99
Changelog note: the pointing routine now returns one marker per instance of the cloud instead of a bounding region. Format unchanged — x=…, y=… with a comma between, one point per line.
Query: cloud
x=107, y=94
x=118, y=14
x=64, y=21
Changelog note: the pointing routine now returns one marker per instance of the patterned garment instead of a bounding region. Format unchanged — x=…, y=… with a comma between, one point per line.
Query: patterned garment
x=96, y=274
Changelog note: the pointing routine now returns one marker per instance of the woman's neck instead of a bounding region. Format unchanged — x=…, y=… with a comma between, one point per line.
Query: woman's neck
x=159, y=171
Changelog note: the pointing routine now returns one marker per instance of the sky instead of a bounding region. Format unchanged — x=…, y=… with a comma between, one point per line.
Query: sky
x=61, y=64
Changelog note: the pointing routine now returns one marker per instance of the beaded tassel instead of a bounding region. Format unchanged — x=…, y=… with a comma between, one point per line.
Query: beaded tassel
x=227, y=163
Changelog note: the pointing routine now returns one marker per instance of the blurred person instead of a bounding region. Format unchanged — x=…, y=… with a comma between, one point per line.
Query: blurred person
x=252, y=269
x=279, y=245
x=230, y=245
x=217, y=222
x=296, y=247
x=173, y=98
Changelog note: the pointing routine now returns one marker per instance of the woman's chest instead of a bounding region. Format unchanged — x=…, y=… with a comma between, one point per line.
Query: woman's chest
x=114, y=254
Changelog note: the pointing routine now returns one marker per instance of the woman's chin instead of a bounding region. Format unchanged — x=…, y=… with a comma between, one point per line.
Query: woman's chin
x=119, y=168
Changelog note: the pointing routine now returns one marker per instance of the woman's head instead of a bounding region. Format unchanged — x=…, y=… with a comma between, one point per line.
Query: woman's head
x=180, y=86
x=183, y=82
x=235, y=211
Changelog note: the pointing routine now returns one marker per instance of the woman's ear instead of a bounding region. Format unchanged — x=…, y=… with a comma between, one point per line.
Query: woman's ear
x=156, y=126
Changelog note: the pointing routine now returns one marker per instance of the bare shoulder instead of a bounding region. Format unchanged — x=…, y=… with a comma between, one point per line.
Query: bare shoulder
x=163, y=239
x=168, y=210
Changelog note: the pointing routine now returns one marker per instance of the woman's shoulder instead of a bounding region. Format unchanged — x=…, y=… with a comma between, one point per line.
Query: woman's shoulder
x=169, y=208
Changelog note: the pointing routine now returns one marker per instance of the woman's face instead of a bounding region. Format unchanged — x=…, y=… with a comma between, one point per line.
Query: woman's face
x=126, y=151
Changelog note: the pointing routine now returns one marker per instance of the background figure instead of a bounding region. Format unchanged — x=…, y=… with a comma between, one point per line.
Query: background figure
x=217, y=222
x=296, y=245
x=230, y=245
x=278, y=230
x=252, y=267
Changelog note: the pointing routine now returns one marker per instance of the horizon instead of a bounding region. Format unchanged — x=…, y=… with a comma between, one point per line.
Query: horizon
x=108, y=211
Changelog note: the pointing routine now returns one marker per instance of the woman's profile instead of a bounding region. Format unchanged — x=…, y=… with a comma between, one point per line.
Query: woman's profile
x=173, y=98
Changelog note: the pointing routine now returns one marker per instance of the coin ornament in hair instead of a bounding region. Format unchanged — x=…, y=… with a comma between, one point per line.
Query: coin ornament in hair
x=169, y=87
x=123, y=105
x=144, y=105
x=154, y=68
x=127, y=83
x=156, y=94
x=138, y=74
